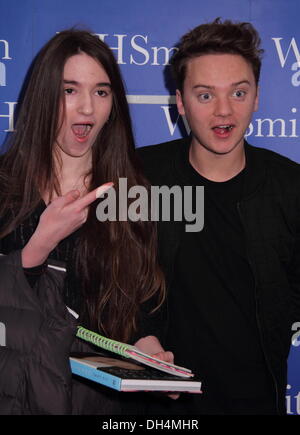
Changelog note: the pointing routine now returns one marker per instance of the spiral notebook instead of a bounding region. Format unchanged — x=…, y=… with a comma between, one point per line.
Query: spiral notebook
x=131, y=352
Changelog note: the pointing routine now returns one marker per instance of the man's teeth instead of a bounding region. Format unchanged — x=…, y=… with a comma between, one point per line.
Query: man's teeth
x=224, y=127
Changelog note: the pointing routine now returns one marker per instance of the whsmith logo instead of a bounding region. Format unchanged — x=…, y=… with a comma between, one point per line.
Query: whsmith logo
x=292, y=400
x=140, y=53
x=288, y=50
x=4, y=55
x=137, y=50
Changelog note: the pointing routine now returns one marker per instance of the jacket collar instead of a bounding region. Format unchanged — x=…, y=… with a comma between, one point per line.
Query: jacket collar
x=255, y=170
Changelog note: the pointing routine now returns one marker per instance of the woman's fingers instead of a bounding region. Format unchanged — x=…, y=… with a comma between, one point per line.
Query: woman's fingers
x=87, y=199
x=104, y=188
x=166, y=356
x=71, y=196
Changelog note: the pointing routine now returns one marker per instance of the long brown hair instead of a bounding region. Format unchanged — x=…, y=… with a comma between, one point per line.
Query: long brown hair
x=116, y=261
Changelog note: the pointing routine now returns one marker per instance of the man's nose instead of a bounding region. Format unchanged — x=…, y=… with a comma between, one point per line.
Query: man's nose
x=223, y=107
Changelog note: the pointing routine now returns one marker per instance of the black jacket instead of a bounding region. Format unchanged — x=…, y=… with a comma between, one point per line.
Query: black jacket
x=36, y=341
x=37, y=334
x=270, y=214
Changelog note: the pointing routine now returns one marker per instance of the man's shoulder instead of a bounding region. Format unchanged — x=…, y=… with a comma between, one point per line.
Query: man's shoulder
x=161, y=150
x=274, y=159
x=157, y=161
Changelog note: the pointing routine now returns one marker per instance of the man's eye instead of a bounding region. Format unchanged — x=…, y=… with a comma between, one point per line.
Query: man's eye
x=205, y=97
x=239, y=93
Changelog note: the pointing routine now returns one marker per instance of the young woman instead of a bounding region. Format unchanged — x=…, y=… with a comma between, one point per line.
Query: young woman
x=73, y=134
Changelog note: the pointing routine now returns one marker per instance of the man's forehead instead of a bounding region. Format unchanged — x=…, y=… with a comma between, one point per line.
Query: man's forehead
x=209, y=68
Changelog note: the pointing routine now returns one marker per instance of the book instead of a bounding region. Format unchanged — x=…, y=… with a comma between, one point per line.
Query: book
x=132, y=352
x=124, y=375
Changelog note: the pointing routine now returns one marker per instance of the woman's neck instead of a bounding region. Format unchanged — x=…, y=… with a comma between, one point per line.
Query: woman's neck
x=72, y=174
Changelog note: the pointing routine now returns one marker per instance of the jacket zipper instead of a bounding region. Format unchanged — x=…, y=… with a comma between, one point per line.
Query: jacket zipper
x=256, y=311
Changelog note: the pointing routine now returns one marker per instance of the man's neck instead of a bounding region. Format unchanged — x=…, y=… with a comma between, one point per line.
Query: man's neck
x=217, y=167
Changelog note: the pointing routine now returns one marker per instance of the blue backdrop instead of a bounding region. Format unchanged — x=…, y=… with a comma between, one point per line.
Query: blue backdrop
x=142, y=34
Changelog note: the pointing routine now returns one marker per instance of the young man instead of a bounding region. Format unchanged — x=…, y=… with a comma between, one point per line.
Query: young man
x=233, y=288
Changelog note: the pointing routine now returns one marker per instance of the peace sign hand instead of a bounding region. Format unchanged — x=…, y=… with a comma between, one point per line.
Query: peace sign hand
x=64, y=215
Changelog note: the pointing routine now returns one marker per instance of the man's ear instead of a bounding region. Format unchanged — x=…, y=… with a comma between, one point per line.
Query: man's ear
x=179, y=102
x=256, y=99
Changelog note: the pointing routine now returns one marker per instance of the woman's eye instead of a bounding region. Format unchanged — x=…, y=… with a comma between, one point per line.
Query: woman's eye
x=104, y=92
x=101, y=93
x=68, y=91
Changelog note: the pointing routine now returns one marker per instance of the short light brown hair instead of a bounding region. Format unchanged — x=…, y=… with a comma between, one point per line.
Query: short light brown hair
x=214, y=38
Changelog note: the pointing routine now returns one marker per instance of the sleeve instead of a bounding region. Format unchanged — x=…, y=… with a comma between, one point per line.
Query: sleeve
x=35, y=376
x=6, y=246
x=294, y=271
x=33, y=274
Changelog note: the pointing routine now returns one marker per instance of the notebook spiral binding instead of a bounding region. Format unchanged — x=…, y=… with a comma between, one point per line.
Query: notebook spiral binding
x=131, y=352
x=103, y=342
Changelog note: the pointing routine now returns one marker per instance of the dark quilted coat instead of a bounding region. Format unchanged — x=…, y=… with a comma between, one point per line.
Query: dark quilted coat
x=35, y=376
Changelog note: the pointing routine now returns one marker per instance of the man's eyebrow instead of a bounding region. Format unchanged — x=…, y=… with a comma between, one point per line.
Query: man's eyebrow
x=200, y=85
x=241, y=82
x=75, y=83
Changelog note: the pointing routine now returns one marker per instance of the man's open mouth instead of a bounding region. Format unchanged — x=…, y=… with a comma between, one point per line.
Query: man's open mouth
x=221, y=129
